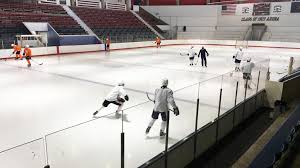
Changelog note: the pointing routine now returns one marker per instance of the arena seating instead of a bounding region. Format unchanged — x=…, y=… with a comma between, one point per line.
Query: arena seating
x=152, y=20
x=283, y=34
x=13, y=14
x=122, y=25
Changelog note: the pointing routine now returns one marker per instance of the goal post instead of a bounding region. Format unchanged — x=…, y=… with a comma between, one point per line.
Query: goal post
x=241, y=43
x=31, y=40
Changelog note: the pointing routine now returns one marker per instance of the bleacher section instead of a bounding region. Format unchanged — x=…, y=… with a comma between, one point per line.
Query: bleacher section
x=152, y=20
x=119, y=25
x=283, y=34
x=209, y=32
x=13, y=14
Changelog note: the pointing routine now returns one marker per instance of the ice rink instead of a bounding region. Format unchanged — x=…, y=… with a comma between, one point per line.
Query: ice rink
x=67, y=89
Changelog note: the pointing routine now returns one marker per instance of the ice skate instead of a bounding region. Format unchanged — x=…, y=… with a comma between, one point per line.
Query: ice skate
x=162, y=133
x=95, y=114
x=117, y=114
x=148, y=130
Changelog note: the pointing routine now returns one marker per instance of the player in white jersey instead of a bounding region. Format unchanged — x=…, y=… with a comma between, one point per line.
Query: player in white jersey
x=116, y=96
x=238, y=58
x=163, y=96
x=247, y=70
x=192, y=54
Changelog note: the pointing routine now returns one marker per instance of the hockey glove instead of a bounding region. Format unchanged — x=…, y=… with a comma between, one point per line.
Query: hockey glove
x=126, y=98
x=176, y=111
x=233, y=56
x=120, y=99
x=13, y=52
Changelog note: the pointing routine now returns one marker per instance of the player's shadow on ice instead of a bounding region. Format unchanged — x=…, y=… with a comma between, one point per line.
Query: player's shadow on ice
x=117, y=117
x=162, y=139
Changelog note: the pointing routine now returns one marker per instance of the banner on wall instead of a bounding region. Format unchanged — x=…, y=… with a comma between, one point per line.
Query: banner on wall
x=295, y=7
x=228, y=9
x=261, y=9
x=280, y=8
x=244, y=9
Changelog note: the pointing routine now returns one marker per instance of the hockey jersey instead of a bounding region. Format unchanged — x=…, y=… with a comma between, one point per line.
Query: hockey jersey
x=247, y=67
x=239, y=55
x=192, y=53
x=163, y=97
x=115, y=93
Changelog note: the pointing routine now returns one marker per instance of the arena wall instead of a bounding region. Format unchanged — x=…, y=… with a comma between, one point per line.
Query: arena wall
x=264, y=45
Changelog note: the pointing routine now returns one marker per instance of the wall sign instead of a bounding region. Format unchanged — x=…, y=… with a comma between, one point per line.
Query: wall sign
x=260, y=19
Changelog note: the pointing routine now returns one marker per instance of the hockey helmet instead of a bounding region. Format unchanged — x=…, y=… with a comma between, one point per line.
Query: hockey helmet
x=121, y=83
x=164, y=82
x=26, y=46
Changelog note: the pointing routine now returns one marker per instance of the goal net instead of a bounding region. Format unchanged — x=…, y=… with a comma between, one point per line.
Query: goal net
x=31, y=40
x=239, y=44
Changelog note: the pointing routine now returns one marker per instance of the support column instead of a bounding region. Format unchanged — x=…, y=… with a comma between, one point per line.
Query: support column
x=167, y=140
x=219, y=111
x=290, y=69
x=196, y=129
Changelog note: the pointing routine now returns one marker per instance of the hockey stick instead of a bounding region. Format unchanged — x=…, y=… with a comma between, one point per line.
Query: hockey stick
x=197, y=60
x=10, y=56
x=36, y=62
x=183, y=54
x=149, y=97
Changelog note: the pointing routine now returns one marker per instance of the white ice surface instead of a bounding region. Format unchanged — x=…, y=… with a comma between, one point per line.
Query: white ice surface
x=67, y=89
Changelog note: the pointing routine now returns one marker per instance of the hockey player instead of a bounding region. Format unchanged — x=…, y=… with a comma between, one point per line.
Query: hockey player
x=27, y=54
x=238, y=58
x=203, y=53
x=247, y=70
x=158, y=42
x=116, y=96
x=17, y=51
x=107, y=43
x=163, y=96
x=191, y=54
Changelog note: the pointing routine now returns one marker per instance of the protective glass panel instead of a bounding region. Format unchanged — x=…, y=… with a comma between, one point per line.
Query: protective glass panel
x=209, y=95
x=29, y=155
x=229, y=85
x=183, y=124
x=139, y=146
x=92, y=144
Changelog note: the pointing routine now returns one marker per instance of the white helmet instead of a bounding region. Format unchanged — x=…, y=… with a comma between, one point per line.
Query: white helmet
x=12, y=45
x=241, y=48
x=164, y=82
x=26, y=46
x=121, y=83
